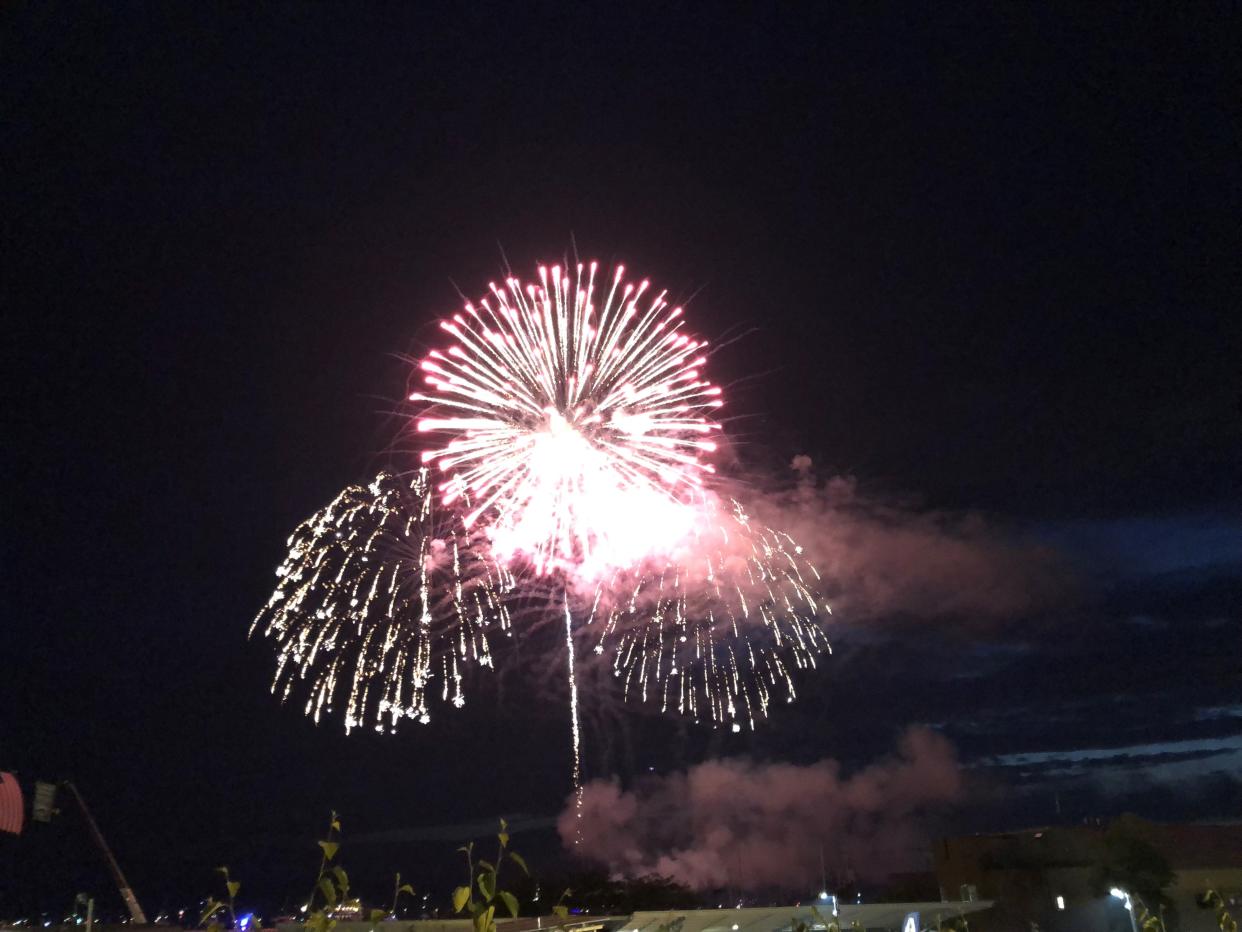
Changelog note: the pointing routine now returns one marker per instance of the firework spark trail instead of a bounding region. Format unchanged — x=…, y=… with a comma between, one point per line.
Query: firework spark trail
x=713, y=634
x=380, y=597
x=575, y=730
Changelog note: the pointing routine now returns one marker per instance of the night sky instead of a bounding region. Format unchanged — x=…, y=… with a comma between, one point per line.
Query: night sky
x=983, y=260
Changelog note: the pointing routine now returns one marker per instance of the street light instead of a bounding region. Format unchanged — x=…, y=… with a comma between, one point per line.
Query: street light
x=1129, y=904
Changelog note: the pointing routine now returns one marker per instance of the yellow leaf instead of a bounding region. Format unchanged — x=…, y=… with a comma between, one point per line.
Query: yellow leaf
x=510, y=902
x=329, y=849
x=461, y=896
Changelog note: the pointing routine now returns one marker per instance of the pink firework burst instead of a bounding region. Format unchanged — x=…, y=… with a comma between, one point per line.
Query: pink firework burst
x=579, y=428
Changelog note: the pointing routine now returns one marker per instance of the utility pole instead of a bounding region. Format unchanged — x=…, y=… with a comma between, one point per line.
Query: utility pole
x=131, y=901
x=90, y=909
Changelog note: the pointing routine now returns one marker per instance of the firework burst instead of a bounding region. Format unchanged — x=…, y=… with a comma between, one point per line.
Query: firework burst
x=577, y=426
x=569, y=430
x=381, y=603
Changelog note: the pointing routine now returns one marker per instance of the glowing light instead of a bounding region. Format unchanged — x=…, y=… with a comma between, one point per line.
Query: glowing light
x=575, y=417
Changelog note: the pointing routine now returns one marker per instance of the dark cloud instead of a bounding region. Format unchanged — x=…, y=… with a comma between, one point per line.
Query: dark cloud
x=746, y=825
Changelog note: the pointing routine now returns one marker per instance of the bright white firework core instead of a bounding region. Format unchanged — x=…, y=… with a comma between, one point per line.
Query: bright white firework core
x=576, y=430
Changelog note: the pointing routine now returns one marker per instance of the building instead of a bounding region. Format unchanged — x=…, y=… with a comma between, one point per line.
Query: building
x=873, y=917
x=1050, y=878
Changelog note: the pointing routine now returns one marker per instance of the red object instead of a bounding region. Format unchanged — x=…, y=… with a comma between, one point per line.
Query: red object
x=11, y=807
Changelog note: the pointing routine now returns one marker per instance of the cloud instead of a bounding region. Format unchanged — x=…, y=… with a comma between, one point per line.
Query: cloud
x=746, y=825
x=886, y=559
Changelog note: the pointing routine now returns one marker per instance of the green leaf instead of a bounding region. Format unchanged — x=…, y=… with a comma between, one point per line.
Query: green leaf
x=561, y=911
x=510, y=902
x=486, y=865
x=519, y=861
x=222, y=870
x=461, y=896
x=504, y=839
x=329, y=849
x=467, y=848
x=342, y=879
x=329, y=891
x=378, y=914
x=234, y=886
x=405, y=887
x=487, y=884
x=213, y=906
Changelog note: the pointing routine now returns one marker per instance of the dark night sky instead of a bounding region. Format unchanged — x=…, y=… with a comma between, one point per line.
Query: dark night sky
x=988, y=256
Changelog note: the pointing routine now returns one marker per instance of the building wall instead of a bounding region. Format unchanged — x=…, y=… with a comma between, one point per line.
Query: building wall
x=1025, y=872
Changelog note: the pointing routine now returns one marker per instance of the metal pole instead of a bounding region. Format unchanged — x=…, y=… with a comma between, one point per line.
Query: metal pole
x=131, y=901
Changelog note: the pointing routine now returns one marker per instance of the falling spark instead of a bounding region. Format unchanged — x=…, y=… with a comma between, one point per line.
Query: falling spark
x=716, y=638
x=378, y=600
x=573, y=720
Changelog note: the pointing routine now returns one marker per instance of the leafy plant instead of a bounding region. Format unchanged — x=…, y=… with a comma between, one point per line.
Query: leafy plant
x=482, y=893
x=329, y=894
x=331, y=884
x=1224, y=921
x=561, y=911
x=397, y=889
x=216, y=907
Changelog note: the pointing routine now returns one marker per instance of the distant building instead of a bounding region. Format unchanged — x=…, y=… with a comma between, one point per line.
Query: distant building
x=872, y=917
x=1048, y=878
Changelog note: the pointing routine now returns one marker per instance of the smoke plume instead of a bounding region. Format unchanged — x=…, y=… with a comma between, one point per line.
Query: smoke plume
x=886, y=559
x=749, y=826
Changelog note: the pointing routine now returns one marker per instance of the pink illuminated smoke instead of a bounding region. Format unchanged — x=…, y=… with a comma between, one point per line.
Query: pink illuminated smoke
x=571, y=414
